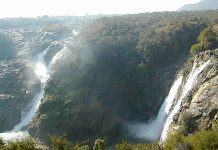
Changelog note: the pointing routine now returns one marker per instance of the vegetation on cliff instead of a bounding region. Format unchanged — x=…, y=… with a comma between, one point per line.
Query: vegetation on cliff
x=199, y=141
x=207, y=40
x=117, y=69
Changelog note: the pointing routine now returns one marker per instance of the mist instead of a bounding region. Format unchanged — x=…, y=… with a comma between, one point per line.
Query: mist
x=27, y=8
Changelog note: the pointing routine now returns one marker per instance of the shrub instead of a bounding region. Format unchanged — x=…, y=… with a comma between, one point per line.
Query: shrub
x=207, y=140
x=127, y=146
x=206, y=40
x=99, y=145
x=187, y=123
x=123, y=146
x=25, y=144
x=196, y=48
x=183, y=146
x=216, y=52
x=1, y=143
x=173, y=140
x=60, y=143
x=81, y=147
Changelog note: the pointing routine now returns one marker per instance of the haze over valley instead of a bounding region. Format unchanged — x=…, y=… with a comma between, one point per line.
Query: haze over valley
x=132, y=75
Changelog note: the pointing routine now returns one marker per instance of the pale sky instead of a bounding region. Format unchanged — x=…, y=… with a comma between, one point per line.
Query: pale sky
x=33, y=8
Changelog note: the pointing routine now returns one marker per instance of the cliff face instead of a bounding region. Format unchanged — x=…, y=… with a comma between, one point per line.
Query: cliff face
x=199, y=108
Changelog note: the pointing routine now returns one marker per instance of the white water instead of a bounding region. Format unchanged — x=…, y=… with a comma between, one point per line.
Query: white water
x=152, y=130
x=43, y=73
x=190, y=83
x=29, y=112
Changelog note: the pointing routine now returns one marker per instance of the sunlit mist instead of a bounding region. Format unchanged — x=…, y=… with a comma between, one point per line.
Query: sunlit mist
x=33, y=8
x=41, y=72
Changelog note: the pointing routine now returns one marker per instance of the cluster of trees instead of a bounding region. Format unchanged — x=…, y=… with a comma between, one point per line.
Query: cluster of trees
x=207, y=40
x=57, y=143
x=206, y=140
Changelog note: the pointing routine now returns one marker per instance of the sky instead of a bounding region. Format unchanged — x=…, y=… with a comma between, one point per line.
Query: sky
x=34, y=8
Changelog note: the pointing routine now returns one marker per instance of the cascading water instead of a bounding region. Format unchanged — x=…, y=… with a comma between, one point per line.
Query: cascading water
x=190, y=83
x=153, y=129
x=43, y=73
x=28, y=113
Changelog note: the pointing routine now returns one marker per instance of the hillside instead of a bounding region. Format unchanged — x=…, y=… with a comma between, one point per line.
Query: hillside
x=144, y=78
x=19, y=46
x=202, y=5
x=117, y=71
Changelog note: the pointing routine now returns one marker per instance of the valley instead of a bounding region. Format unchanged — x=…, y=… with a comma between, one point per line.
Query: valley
x=104, y=79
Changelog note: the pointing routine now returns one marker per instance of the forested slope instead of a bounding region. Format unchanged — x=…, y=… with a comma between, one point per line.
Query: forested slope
x=118, y=70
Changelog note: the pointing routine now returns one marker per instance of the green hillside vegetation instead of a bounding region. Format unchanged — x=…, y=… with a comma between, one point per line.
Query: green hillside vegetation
x=207, y=40
x=118, y=70
x=207, y=140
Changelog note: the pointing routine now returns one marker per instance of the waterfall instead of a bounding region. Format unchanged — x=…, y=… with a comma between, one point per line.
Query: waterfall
x=190, y=83
x=43, y=73
x=152, y=130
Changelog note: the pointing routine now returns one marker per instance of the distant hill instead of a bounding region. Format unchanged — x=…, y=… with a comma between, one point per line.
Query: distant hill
x=202, y=5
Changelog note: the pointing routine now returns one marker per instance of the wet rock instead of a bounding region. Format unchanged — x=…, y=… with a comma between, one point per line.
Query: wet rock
x=176, y=118
x=202, y=101
x=213, y=112
x=204, y=114
x=197, y=115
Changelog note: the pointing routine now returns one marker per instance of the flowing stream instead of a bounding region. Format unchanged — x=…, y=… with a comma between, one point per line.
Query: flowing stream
x=190, y=83
x=152, y=130
x=158, y=128
x=43, y=73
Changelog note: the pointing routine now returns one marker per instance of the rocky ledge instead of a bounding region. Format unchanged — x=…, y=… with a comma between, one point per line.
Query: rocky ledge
x=199, y=110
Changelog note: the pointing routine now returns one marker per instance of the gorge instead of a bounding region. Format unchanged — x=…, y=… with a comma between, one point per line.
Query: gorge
x=142, y=78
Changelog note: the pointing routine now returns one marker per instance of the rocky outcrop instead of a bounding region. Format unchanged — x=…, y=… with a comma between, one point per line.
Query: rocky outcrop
x=199, y=110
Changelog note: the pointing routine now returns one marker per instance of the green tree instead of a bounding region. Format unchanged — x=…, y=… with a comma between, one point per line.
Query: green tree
x=2, y=143
x=60, y=143
x=24, y=144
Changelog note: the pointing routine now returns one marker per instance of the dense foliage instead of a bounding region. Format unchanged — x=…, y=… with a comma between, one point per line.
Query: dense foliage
x=117, y=71
x=207, y=40
x=207, y=140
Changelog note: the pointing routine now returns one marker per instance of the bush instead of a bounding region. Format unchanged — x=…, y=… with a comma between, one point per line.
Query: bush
x=173, y=140
x=127, y=146
x=60, y=143
x=207, y=140
x=123, y=146
x=1, y=143
x=183, y=146
x=81, y=147
x=206, y=40
x=196, y=48
x=187, y=123
x=25, y=144
x=99, y=145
